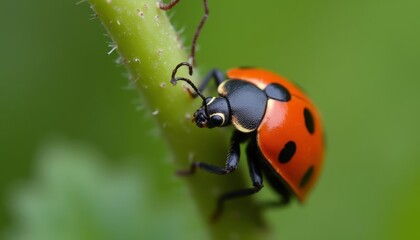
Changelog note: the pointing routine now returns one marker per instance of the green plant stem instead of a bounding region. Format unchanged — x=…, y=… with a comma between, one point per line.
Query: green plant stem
x=149, y=47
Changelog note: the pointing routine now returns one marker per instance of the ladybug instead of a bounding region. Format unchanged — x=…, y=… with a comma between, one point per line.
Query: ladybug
x=279, y=122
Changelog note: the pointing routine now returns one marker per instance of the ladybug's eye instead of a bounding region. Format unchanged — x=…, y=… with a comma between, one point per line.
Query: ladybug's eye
x=217, y=119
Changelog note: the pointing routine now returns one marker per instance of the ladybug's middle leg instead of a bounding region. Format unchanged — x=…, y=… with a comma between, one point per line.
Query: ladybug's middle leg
x=231, y=161
x=255, y=172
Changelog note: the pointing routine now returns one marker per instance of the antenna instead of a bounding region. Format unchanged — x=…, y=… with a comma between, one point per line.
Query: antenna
x=190, y=72
x=170, y=5
x=174, y=80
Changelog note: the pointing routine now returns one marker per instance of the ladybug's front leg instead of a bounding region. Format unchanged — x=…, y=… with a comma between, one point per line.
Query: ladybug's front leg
x=215, y=74
x=231, y=161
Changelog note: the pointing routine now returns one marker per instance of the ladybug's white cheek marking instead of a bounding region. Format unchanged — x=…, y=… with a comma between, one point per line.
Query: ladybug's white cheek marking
x=238, y=126
x=211, y=101
x=221, y=88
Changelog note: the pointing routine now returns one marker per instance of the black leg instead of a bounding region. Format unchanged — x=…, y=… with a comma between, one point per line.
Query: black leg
x=215, y=74
x=284, y=201
x=278, y=185
x=231, y=161
x=256, y=177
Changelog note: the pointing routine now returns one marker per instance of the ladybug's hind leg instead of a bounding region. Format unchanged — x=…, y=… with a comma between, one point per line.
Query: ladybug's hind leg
x=255, y=173
x=278, y=185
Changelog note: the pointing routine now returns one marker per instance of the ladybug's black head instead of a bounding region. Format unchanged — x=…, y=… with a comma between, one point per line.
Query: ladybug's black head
x=215, y=113
x=215, y=110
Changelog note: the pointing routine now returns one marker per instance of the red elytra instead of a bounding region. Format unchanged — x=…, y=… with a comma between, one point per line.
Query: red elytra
x=284, y=122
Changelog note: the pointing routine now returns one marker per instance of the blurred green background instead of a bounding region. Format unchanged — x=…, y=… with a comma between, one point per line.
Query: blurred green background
x=82, y=159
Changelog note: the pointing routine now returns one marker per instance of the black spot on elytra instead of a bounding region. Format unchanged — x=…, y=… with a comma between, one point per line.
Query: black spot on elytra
x=278, y=92
x=287, y=152
x=309, y=121
x=306, y=177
